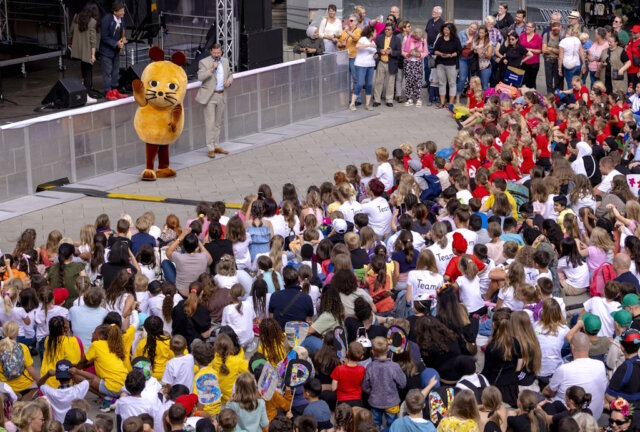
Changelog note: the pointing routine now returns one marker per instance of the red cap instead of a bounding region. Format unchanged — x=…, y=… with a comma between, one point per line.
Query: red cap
x=60, y=295
x=188, y=402
x=459, y=243
x=635, y=29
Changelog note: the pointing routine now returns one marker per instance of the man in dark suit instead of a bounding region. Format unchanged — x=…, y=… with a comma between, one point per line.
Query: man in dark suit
x=111, y=42
x=389, y=51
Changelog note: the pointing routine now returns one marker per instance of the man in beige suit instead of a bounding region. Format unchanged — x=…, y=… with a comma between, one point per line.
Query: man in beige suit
x=215, y=74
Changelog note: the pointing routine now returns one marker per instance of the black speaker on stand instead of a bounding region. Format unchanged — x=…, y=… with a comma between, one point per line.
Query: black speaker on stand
x=66, y=93
x=260, y=45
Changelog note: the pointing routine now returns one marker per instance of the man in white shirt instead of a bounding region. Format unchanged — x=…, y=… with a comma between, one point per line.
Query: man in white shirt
x=377, y=209
x=582, y=371
x=607, y=168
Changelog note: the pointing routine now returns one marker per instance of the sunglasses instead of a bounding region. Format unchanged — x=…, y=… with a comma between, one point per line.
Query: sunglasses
x=352, y=20
x=617, y=422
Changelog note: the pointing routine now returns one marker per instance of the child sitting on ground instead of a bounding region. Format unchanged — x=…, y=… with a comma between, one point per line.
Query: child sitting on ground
x=317, y=408
x=179, y=370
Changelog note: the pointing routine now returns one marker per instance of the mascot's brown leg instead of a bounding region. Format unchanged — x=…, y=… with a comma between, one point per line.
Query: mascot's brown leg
x=163, y=163
x=151, y=151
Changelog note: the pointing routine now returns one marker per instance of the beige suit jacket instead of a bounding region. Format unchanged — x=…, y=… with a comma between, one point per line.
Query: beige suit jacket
x=209, y=79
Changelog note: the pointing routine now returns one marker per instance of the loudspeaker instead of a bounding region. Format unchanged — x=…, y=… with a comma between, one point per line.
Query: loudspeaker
x=133, y=72
x=255, y=15
x=260, y=49
x=66, y=93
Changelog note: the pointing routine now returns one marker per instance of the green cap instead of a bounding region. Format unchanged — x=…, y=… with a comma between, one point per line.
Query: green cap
x=630, y=300
x=622, y=317
x=592, y=323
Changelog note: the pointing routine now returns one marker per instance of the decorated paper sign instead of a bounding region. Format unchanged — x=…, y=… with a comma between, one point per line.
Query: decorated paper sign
x=282, y=366
x=208, y=389
x=633, y=180
x=268, y=381
x=298, y=372
x=339, y=336
x=296, y=332
x=397, y=340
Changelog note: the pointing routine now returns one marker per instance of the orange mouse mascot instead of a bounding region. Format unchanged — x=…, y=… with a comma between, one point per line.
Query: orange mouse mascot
x=159, y=119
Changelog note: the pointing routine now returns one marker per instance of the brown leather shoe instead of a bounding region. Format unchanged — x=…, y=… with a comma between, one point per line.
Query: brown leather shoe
x=221, y=150
x=212, y=154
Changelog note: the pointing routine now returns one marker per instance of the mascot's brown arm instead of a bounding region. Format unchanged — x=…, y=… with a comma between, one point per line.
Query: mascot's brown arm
x=176, y=112
x=138, y=92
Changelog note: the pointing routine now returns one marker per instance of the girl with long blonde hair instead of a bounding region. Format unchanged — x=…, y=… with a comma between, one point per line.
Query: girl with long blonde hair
x=550, y=331
x=600, y=249
x=26, y=380
x=530, y=348
x=248, y=405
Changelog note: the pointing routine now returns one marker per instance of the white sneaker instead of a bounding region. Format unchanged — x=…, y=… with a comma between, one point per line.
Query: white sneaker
x=91, y=100
x=419, y=104
x=408, y=103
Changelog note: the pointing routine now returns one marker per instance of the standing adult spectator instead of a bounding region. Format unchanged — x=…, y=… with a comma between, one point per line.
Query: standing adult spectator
x=447, y=49
x=512, y=54
x=632, y=66
x=395, y=11
x=570, y=56
x=574, y=23
x=348, y=40
x=618, y=24
x=467, y=37
x=550, y=49
x=532, y=41
x=594, y=53
x=520, y=24
x=365, y=65
x=405, y=30
x=504, y=20
x=483, y=48
x=389, y=50
x=612, y=60
x=83, y=34
x=583, y=371
x=361, y=13
x=432, y=30
x=215, y=74
x=330, y=29
x=111, y=42
x=414, y=50
x=312, y=45
x=496, y=38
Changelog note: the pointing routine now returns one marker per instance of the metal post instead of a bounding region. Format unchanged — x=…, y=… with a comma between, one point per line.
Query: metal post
x=226, y=30
x=4, y=22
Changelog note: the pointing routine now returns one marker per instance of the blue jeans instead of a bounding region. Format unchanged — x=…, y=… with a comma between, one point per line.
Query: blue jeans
x=592, y=77
x=352, y=77
x=30, y=343
x=312, y=344
x=110, y=70
x=364, y=76
x=169, y=271
x=570, y=73
x=463, y=74
x=377, y=418
x=485, y=75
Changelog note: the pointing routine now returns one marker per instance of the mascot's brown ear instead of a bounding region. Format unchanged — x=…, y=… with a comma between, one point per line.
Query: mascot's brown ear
x=156, y=53
x=179, y=58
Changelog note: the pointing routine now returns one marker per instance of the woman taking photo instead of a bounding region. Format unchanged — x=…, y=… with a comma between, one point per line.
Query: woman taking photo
x=467, y=38
x=83, y=34
x=531, y=41
x=414, y=50
x=483, y=48
x=330, y=29
x=365, y=65
x=447, y=49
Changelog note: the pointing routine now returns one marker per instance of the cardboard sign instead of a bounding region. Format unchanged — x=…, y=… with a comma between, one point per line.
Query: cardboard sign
x=208, y=389
x=282, y=366
x=633, y=180
x=298, y=372
x=340, y=339
x=397, y=340
x=267, y=382
x=296, y=332
x=513, y=76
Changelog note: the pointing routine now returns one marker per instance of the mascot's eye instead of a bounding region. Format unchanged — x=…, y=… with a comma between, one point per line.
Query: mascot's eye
x=173, y=86
x=153, y=83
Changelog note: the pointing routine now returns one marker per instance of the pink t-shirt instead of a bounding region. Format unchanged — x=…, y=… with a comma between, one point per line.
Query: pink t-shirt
x=595, y=51
x=596, y=258
x=534, y=43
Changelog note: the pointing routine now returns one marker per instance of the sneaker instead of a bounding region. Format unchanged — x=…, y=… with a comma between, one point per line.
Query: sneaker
x=358, y=103
x=429, y=103
x=352, y=107
x=90, y=100
x=111, y=96
x=369, y=108
x=106, y=404
x=419, y=104
x=120, y=95
x=409, y=102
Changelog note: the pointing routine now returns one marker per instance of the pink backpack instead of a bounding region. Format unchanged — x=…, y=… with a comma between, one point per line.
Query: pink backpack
x=601, y=276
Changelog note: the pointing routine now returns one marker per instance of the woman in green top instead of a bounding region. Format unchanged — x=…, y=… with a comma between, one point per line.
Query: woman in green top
x=65, y=272
x=331, y=316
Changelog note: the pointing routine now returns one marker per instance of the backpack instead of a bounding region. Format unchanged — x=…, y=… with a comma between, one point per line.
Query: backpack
x=519, y=192
x=13, y=362
x=477, y=391
x=433, y=189
x=601, y=276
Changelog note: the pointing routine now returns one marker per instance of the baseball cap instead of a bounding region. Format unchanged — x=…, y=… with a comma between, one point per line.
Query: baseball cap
x=630, y=335
x=592, y=323
x=188, y=402
x=622, y=317
x=630, y=300
x=519, y=100
x=73, y=418
x=142, y=364
x=415, y=165
x=62, y=370
x=339, y=226
x=424, y=297
x=635, y=29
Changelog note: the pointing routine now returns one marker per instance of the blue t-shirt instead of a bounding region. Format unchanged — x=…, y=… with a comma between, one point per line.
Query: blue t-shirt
x=139, y=239
x=401, y=258
x=512, y=237
x=484, y=217
x=297, y=310
x=321, y=412
x=629, y=277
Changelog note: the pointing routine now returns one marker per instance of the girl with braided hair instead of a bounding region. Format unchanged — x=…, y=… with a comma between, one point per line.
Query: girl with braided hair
x=59, y=346
x=45, y=312
x=227, y=364
x=156, y=346
x=65, y=272
x=272, y=341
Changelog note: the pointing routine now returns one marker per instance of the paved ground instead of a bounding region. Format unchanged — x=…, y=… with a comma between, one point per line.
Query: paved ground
x=305, y=160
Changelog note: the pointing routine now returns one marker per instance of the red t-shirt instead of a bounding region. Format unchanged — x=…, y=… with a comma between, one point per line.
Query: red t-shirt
x=483, y=152
x=405, y=161
x=473, y=103
x=452, y=268
x=349, y=382
x=551, y=115
x=480, y=192
x=542, y=142
x=500, y=174
x=616, y=113
x=472, y=167
x=633, y=48
x=577, y=94
x=600, y=138
x=427, y=162
x=507, y=111
x=526, y=110
x=527, y=160
x=563, y=126
x=504, y=135
x=512, y=173
x=455, y=153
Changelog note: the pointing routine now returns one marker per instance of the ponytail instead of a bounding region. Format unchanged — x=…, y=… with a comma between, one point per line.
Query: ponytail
x=114, y=340
x=60, y=272
x=168, y=290
x=408, y=251
x=7, y=299
x=236, y=294
x=274, y=279
x=191, y=303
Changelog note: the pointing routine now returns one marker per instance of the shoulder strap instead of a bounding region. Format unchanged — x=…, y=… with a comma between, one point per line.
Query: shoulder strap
x=288, y=306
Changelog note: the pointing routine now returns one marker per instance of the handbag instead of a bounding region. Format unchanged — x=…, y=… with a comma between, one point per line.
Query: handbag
x=288, y=239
